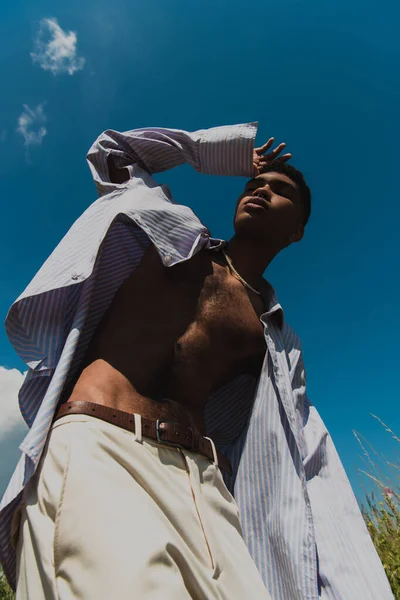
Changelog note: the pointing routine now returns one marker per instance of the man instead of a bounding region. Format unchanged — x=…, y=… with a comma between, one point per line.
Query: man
x=159, y=360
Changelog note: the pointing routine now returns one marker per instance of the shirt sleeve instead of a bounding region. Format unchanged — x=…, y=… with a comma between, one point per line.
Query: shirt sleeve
x=225, y=150
x=348, y=564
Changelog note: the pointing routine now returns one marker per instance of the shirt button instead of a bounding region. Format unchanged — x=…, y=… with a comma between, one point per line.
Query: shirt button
x=167, y=259
x=74, y=276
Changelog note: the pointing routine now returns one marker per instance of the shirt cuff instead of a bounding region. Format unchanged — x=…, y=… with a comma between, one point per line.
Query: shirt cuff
x=228, y=150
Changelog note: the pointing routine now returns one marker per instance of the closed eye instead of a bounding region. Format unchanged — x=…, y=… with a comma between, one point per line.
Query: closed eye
x=283, y=189
x=251, y=186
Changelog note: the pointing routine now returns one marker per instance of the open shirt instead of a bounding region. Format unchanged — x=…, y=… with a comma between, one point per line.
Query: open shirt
x=300, y=519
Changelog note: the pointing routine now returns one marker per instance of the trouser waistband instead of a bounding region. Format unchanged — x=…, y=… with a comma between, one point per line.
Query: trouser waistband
x=170, y=433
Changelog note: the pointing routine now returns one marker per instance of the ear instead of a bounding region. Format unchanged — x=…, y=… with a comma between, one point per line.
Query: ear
x=296, y=237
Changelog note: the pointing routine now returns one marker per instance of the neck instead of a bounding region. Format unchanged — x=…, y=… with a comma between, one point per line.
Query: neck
x=249, y=259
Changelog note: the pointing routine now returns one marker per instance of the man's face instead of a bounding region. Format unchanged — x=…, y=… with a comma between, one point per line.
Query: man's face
x=270, y=208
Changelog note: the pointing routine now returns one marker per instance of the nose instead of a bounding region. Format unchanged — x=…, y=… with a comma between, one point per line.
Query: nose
x=265, y=189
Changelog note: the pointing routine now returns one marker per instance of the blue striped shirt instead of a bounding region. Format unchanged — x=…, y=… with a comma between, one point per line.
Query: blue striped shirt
x=300, y=519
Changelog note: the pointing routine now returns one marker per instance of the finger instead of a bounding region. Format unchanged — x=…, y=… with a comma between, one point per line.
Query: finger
x=266, y=146
x=284, y=157
x=266, y=163
x=267, y=160
x=277, y=151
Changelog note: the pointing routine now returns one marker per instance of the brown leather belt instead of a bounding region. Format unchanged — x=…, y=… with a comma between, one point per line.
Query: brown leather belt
x=170, y=433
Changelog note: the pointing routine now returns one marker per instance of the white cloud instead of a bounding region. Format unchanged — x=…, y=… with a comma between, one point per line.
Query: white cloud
x=13, y=428
x=11, y=418
x=55, y=49
x=30, y=125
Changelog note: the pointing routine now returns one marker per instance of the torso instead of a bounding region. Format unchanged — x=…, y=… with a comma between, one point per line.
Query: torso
x=162, y=348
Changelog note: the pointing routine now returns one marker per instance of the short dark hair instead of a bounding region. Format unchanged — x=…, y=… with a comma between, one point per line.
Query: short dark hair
x=298, y=178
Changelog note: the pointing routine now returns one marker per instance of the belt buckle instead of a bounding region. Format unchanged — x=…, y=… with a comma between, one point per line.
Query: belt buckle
x=160, y=441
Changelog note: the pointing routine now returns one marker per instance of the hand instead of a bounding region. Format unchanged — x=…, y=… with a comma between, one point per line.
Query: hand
x=262, y=160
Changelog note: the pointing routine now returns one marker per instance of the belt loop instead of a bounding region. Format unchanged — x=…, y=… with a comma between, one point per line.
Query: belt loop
x=213, y=450
x=138, y=427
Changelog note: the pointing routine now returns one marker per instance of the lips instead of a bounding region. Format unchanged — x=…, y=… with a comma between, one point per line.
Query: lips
x=258, y=201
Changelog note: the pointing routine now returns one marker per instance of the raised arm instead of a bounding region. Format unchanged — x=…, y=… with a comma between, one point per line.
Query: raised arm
x=225, y=150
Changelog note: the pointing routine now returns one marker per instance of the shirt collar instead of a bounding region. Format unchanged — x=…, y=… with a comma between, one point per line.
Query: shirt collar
x=274, y=309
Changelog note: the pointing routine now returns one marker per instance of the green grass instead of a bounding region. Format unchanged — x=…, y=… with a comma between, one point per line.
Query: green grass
x=6, y=592
x=383, y=522
x=381, y=511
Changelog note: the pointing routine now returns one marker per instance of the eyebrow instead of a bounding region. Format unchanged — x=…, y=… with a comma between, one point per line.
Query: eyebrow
x=261, y=180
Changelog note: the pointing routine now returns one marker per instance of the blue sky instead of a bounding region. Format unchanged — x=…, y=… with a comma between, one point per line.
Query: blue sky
x=321, y=76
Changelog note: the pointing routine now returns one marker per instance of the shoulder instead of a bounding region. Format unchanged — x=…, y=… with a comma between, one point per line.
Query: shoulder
x=192, y=271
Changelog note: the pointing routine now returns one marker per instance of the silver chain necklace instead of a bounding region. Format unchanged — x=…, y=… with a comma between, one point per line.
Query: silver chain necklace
x=233, y=270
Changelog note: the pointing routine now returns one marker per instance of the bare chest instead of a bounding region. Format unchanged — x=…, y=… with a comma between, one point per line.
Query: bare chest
x=180, y=335
x=226, y=334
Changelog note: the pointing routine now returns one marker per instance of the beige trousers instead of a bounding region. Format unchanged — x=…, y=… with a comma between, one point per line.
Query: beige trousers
x=110, y=515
